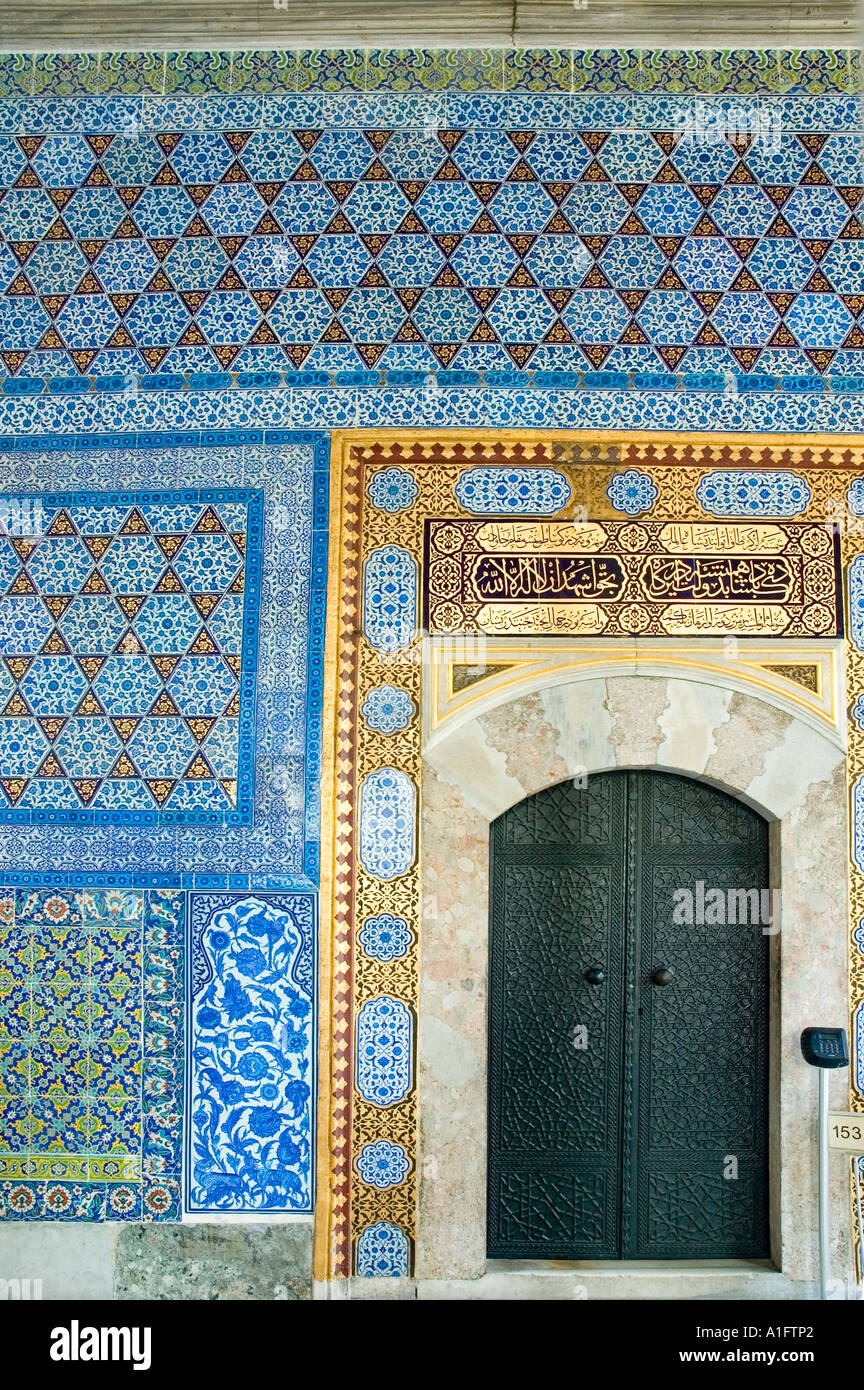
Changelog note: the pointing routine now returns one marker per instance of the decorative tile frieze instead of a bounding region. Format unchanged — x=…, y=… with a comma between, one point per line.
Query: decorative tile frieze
x=451, y=71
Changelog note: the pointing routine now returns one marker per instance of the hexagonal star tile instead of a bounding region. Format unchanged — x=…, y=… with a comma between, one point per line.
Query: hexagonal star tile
x=196, y=264
x=560, y=261
x=22, y=747
x=743, y=210
x=271, y=156
x=486, y=155
x=94, y=212
x=87, y=320
x=630, y=156
x=745, y=320
x=558, y=155
x=201, y=157
x=819, y=320
x=409, y=260
x=233, y=209
x=24, y=625
x=131, y=160
x=127, y=685
x=53, y=685
x=670, y=316
x=521, y=316
x=779, y=263
x=339, y=260
x=707, y=263
x=202, y=685
x=88, y=747
x=207, y=563
x=633, y=262
x=816, y=212
x=342, y=154
x=57, y=267
x=446, y=315
x=376, y=207
x=125, y=266
x=132, y=564
x=167, y=622
x=596, y=316
x=844, y=266
x=92, y=624
x=63, y=161
x=668, y=209
x=484, y=261
x=595, y=208
x=446, y=207
x=162, y=747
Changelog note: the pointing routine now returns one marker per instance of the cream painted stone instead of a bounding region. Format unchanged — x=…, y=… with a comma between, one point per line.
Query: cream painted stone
x=581, y=741
x=795, y=777
x=467, y=760
x=636, y=704
x=688, y=724
x=803, y=758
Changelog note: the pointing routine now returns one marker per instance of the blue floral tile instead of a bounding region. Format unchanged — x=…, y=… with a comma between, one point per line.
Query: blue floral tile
x=251, y=1086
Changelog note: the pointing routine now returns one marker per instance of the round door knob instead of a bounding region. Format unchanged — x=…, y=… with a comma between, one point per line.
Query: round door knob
x=662, y=975
x=595, y=976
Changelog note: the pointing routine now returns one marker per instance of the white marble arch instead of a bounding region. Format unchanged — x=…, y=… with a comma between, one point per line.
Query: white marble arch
x=790, y=772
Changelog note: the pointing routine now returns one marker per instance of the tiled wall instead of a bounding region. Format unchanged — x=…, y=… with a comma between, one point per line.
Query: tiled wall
x=207, y=263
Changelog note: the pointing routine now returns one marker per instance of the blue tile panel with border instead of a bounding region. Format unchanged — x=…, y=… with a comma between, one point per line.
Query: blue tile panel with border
x=284, y=481
x=128, y=656
x=91, y=1054
x=251, y=1081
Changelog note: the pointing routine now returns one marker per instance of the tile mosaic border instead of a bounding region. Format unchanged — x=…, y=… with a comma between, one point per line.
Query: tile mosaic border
x=258, y=416
x=372, y=1108
x=571, y=70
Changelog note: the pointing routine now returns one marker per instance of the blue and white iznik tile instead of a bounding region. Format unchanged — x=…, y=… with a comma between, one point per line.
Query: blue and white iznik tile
x=251, y=1076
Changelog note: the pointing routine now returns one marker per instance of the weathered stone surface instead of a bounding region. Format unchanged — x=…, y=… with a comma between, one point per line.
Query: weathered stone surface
x=215, y=1263
x=73, y=1260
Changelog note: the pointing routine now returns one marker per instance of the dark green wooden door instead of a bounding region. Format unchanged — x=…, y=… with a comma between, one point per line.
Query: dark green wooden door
x=628, y=1118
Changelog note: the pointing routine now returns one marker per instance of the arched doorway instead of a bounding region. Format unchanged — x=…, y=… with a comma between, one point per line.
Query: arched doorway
x=628, y=1023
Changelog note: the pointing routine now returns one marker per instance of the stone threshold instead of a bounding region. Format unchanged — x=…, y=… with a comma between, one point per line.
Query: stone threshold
x=514, y=1281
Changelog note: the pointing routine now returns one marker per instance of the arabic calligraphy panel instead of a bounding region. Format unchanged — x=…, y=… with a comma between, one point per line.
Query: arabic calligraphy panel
x=625, y=578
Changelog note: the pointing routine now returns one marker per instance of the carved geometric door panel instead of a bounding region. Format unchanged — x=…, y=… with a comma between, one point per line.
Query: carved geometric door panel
x=627, y=1116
